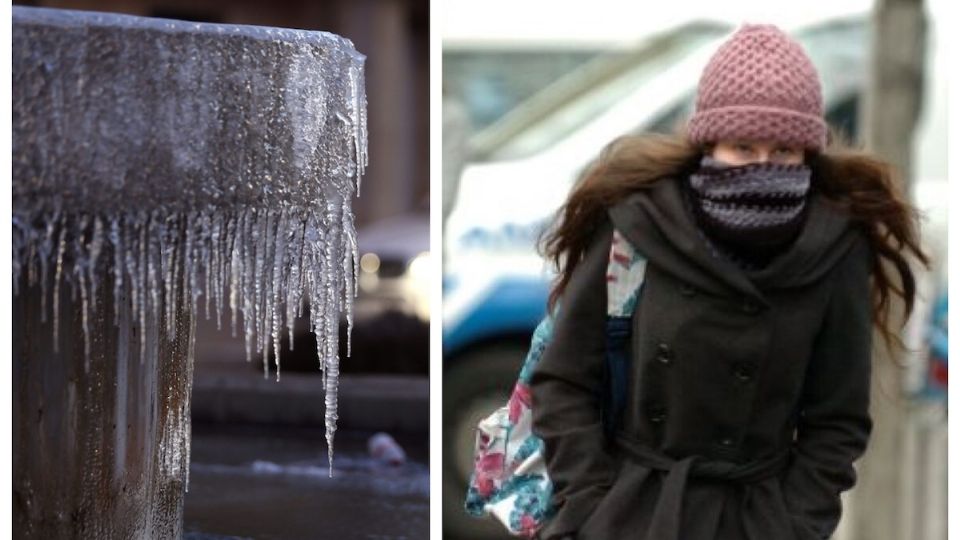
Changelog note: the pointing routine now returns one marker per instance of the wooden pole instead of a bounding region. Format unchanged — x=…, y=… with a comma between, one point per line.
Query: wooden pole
x=879, y=509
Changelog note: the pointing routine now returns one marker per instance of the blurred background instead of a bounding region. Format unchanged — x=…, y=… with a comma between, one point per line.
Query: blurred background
x=530, y=98
x=259, y=467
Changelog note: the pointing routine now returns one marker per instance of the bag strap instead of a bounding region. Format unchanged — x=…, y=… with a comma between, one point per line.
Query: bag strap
x=626, y=271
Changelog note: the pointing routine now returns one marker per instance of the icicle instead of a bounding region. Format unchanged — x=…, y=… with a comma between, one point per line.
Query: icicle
x=236, y=272
x=186, y=288
x=81, y=269
x=358, y=120
x=249, y=267
x=295, y=286
x=131, y=248
x=118, y=264
x=328, y=313
x=330, y=413
x=302, y=287
x=176, y=295
x=179, y=281
x=31, y=264
x=95, y=247
x=190, y=292
x=142, y=287
x=216, y=268
x=351, y=265
x=275, y=294
x=167, y=273
x=73, y=290
x=205, y=261
x=263, y=293
x=61, y=247
x=289, y=302
x=85, y=316
x=46, y=252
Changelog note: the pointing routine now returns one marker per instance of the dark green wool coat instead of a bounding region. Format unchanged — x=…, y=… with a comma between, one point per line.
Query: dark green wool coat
x=748, y=392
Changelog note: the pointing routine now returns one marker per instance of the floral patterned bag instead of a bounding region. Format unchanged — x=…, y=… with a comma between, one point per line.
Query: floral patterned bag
x=510, y=480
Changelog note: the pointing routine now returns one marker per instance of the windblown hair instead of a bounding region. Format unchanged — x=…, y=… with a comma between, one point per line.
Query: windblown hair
x=866, y=187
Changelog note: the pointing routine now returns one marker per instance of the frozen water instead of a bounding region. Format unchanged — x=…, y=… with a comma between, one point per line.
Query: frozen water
x=198, y=159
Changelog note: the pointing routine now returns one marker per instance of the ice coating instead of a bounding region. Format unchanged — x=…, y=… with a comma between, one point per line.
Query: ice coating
x=213, y=165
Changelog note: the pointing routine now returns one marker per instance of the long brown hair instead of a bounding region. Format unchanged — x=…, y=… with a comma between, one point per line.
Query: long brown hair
x=865, y=186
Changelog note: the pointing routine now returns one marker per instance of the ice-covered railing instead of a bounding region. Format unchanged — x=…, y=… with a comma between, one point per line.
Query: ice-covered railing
x=201, y=165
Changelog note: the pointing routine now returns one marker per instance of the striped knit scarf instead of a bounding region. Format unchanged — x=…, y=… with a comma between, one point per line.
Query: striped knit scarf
x=750, y=213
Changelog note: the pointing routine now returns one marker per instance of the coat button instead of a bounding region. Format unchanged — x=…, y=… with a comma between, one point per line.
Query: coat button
x=743, y=370
x=657, y=413
x=664, y=353
x=688, y=290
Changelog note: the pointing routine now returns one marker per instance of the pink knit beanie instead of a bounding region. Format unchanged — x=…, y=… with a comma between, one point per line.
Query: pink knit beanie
x=759, y=85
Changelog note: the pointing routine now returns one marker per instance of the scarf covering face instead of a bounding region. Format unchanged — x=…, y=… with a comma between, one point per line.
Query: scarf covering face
x=752, y=212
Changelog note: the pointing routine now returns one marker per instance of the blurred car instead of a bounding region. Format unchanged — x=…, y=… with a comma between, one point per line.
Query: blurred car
x=496, y=285
x=391, y=331
x=391, y=313
x=394, y=260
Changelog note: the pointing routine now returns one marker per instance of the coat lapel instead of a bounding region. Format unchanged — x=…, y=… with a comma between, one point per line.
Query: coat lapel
x=827, y=235
x=657, y=221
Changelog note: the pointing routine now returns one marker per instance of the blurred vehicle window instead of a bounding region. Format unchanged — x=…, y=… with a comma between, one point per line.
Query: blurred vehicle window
x=491, y=81
x=577, y=98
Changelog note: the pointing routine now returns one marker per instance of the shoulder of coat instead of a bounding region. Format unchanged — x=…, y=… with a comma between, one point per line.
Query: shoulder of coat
x=650, y=188
x=860, y=256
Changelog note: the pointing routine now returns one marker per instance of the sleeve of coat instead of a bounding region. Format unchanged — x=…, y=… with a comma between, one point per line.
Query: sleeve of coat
x=566, y=386
x=834, y=424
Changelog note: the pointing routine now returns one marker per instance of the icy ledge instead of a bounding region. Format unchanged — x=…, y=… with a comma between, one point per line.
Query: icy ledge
x=200, y=165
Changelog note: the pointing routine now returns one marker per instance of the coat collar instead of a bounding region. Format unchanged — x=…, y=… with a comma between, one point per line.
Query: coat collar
x=658, y=223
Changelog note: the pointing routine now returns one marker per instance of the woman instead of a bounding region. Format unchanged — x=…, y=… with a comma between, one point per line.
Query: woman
x=769, y=261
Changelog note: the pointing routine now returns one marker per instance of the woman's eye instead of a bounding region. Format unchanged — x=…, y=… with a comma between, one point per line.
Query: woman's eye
x=786, y=155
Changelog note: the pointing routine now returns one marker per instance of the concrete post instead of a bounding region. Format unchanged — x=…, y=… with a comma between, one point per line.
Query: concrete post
x=156, y=164
x=892, y=108
x=100, y=447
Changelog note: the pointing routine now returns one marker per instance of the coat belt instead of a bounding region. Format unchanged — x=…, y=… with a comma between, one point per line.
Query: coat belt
x=665, y=524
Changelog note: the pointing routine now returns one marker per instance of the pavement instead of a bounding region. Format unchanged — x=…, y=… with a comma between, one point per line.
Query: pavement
x=228, y=390
x=232, y=392
x=269, y=482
